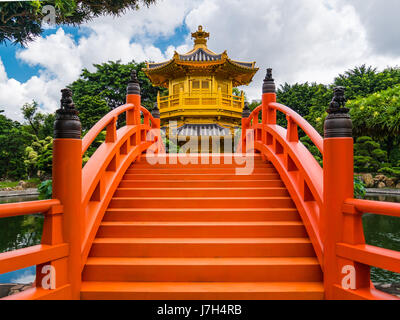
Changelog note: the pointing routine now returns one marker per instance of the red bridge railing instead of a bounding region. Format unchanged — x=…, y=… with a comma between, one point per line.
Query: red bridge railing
x=324, y=196
x=81, y=195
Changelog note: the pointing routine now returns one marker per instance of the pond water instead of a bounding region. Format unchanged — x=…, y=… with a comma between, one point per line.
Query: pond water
x=16, y=233
x=384, y=232
x=25, y=231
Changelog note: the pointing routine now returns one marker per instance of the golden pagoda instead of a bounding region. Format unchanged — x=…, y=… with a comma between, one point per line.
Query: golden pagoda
x=200, y=85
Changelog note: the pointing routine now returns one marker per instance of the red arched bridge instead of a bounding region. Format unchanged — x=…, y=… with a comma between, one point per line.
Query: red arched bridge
x=138, y=223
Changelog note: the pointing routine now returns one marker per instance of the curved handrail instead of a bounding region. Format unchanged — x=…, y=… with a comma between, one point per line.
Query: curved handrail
x=302, y=123
x=298, y=168
x=104, y=122
x=254, y=115
x=147, y=113
x=105, y=168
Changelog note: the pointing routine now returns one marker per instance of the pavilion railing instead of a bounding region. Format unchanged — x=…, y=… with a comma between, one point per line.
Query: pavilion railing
x=201, y=99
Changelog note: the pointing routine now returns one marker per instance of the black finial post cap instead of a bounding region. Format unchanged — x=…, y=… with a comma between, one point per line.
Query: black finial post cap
x=67, y=124
x=338, y=123
x=269, y=83
x=246, y=110
x=155, y=112
x=133, y=84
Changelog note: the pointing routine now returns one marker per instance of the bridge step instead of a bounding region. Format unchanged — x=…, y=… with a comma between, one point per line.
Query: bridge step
x=198, y=202
x=203, y=269
x=201, y=192
x=201, y=183
x=202, y=229
x=196, y=214
x=202, y=166
x=202, y=247
x=201, y=176
x=202, y=291
x=231, y=171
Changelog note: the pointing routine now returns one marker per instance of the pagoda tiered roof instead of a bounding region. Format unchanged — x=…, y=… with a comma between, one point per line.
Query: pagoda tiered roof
x=201, y=60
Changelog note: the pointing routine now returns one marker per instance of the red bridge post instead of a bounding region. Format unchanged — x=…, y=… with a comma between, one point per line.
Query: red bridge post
x=269, y=96
x=133, y=97
x=245, y=126
x=338, y=186
x=67, y=185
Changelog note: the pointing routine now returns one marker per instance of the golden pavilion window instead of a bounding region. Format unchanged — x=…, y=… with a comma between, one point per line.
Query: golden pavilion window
x=196, y=84
x=177, y=87
x=224, y=88
x=205, y=85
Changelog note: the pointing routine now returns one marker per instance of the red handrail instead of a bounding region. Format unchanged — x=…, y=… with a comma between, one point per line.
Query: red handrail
x=52, y=248
x=376, y=207
x=104, y=122
x=290, y=157
x=26, y=208
x=302, y=123
x=336, y=233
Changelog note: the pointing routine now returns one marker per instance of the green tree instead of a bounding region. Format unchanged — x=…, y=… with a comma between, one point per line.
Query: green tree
x=13, y=140
x=378, y=116
x=299, y=97
x=363, y=81
x=22, y=21
x=91, y=110
x=39, y=124
x=38, y=158
x=109, y=81
x=368, y=155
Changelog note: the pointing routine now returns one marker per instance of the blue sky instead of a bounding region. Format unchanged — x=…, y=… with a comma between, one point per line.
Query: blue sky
x=302, y=40
x=21, y=71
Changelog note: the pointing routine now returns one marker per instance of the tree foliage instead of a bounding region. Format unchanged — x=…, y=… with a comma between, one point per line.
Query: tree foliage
x=368, y=156
x=13, y=140
x=39, y=124
x=106, y=86
x=22, y=21
x=299, y=97
x=38, y=158
x=365, y=80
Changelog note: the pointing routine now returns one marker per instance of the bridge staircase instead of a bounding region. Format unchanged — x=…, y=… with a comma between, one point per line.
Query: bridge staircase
x=202, y=232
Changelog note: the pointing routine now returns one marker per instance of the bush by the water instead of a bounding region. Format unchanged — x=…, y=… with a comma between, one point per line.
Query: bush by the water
x=45, y=190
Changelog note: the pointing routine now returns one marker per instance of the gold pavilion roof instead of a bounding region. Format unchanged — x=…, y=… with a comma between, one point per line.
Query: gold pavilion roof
x=201, y=60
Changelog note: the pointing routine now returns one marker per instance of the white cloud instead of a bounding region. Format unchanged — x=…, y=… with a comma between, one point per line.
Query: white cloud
x=61, y=58
x=307, y=40
x=26, y=278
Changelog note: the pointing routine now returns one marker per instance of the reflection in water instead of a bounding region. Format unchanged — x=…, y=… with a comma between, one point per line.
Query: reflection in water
x=384, y=232
x=20, y=232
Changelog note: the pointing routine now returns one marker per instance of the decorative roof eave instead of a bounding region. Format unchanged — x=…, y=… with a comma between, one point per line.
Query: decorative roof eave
x=240, y=66
x=240, y=72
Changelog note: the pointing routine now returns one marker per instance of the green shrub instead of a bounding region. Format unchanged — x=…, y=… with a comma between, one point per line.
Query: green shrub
x=368, y=155
x=391, y=172
x=359, y=188
x=45, y=190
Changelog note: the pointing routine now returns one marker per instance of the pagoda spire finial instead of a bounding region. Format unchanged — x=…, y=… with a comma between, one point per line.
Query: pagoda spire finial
x=200, y=37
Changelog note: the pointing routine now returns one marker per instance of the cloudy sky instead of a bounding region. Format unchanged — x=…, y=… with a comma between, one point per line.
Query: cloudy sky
x=302, y=40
